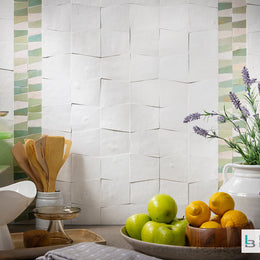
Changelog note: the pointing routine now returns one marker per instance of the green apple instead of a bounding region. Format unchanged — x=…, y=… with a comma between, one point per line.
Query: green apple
x=147, y=233
x=135, y=223
x=169, y=235
x=162, y=208
x=180, y=222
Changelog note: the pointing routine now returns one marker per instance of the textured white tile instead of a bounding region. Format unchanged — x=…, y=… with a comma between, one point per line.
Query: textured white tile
x=203, y=95
x=175, y=167
x=56, y=67
x=174, y=67
x=253, y=19
x=86, y=142
x=138, y=208
x=115, y=167
x=6, y=91
x=114, y=92
x=6, y=26
x=7, y=54
x=202, y=18
x=173, y=142
x=115, y=17
x=145, y=143
x=85, y=92
x=55, y=43
x=172, y=2
x=7, y=9
x=175, y=17
x=116, y=117
x=114, y=142
x=84, y=68
x=211, y=3
x=58, y=17
x=85, y=167
x=144, y=17
x=85, y=18
x=203, y=55
x=65, y=189
x=86, y=192
x=116, y=67
x=144, y=117
x=145, y=42
x=84, y=117
x=173, y=42
x=114, y=42
x=88, y=215
x=177, y=190
x=144, y=67
x=46, y=131
x=203, y=167
x=114, y=192
x=171, y=117
x=253, y=41
x=87, y=2
x=254, y=2
x=172, y=92
x=65, y=173
x=143, y=168
x=202, y=190
x=108, y=215
x=146, y=92
x=55, y=92
x=86, y=42
x=138, y=195
x=57, y=117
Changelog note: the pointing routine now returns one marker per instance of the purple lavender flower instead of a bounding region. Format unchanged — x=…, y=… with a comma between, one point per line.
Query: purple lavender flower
x=200, y=131
x=245, y=112
x=246, y=77
x=235, y=100
x=258, y=87
x=191, y=117
x=256, y=116
x=221, y=119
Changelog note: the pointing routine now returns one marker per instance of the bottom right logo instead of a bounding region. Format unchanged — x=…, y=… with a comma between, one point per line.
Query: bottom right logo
x=250, y=241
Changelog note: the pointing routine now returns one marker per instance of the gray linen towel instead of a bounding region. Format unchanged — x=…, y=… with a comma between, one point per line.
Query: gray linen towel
x=93, y=251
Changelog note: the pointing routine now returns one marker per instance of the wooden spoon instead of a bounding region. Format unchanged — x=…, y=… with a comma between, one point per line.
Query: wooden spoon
x=40, y=154
x=54, y=156
x=21, y=158
x=31, y=154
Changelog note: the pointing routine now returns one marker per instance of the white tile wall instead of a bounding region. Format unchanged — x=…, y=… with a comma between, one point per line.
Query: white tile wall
x=126, y=73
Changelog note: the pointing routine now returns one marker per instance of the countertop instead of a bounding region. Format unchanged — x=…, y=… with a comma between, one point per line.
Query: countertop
x=110, y=233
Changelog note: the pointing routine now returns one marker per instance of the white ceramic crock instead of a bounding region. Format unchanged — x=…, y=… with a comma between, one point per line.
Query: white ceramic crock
x=244, y=187
x=47, y=199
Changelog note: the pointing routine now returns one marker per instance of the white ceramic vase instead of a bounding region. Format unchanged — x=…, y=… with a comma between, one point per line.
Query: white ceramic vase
x=244, y=187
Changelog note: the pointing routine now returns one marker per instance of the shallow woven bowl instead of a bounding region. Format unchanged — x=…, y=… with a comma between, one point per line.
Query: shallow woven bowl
x=215, y=237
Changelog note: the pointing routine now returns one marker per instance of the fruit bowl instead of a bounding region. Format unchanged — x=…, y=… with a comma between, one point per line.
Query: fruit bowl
x=183, y=252
x=215, y=237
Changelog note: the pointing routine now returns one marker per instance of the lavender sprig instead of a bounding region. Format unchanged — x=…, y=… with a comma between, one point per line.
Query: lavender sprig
x=192, y=117
x=235, y=100
x=245, y=112
x=246, y=77
x=200, y=131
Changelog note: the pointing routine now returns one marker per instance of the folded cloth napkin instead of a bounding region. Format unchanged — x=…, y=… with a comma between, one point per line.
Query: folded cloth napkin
x=93, y=251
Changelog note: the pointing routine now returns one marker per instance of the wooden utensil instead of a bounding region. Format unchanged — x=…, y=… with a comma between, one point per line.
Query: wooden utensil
x=21, y=158
x=54, y=151
x=40, y=154
x=31, y=154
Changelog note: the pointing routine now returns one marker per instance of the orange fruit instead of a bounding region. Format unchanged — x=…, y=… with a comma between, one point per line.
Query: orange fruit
x=210, y=224
x=215, y=218
x=197, y=212
x=220, y=202
x=233, y=218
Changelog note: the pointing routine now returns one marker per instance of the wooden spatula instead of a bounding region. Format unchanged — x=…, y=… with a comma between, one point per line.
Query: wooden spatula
x=31, y=154
x=21, y=158
x=40, y=154
x=54, y=156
